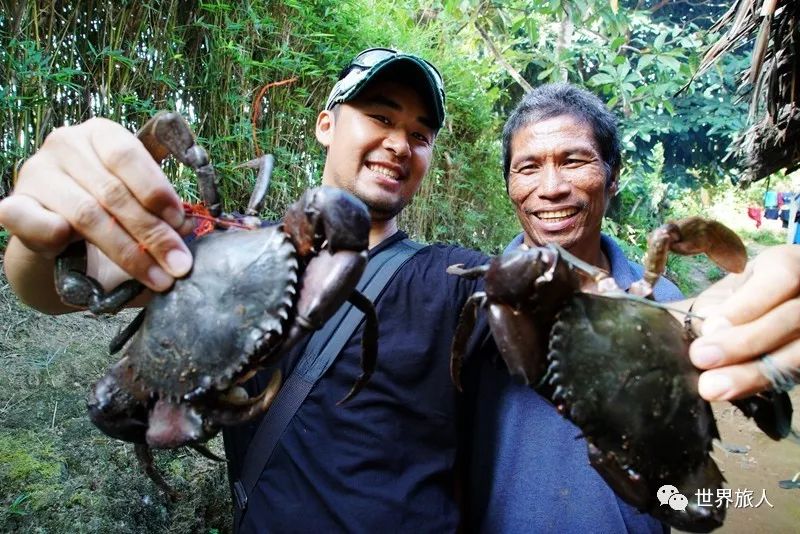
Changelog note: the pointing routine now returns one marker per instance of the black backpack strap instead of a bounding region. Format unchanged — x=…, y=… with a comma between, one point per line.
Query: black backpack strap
x=320, y=352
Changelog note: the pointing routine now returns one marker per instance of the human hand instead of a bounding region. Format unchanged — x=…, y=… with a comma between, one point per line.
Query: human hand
x=750, y=315
x=96, y=181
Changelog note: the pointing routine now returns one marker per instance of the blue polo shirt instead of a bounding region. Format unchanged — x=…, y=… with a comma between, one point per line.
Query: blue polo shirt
x=383, y=462
x=530, y=470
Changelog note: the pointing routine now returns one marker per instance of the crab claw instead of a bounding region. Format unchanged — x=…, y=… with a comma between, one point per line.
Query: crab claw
x=168, y=133
x=693, y=235
x=327, y=214
x=717, y=241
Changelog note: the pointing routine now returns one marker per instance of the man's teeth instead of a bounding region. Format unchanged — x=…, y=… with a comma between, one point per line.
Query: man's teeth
x=560, y=214
x=384, y=171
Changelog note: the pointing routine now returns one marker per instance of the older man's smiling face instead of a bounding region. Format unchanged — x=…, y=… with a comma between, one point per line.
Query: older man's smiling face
x=557, y=182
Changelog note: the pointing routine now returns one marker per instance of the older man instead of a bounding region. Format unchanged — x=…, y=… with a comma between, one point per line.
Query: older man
x=530, y=471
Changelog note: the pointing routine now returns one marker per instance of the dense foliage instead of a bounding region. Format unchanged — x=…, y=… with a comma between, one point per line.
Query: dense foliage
x=65, y=61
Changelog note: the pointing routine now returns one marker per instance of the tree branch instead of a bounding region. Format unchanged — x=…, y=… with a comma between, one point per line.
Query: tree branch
x=514, y=73
x=659, y=5
x=564, y=41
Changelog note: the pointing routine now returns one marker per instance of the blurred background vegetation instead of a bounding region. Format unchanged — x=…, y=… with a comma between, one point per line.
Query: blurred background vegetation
x=62, y=62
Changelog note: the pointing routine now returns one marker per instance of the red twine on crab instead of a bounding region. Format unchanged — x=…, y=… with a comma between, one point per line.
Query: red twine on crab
x=206, y=222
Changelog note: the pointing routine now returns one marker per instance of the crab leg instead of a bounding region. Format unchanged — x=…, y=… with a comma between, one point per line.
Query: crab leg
x=167, y=133
x=228, y=413
x=472, y=273
x=264, y=164
x=466, y=322
x=369, y=343
x=126, y=333
x=145, y=458
x=76, y=289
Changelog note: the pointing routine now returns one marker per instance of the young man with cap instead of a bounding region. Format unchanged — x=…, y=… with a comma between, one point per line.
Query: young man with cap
x=383, y=460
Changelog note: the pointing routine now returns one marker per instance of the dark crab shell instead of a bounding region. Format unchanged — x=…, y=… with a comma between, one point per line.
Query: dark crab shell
x=234, y=305
x=622, y=374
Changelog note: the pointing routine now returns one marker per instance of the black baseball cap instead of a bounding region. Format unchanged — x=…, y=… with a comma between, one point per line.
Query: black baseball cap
x=369, y=63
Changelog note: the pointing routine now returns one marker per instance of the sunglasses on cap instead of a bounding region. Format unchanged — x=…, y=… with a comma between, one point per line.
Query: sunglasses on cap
x=372, y=56
x=369, y=63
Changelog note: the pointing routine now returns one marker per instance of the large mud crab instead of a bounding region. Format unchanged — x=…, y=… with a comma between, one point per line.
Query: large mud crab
x=616, y=364
x=250, y=296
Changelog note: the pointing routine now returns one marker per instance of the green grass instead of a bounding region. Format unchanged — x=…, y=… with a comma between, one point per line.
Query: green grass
x=58, y=473
x=763, y=236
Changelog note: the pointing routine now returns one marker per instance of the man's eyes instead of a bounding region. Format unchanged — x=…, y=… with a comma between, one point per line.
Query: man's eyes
x=569, y=163
x=381, y=118
x=574, y=162
x=421, y=137
x=529, y=168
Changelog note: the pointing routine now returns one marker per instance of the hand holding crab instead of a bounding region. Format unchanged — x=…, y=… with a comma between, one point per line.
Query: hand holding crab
x=252, y=292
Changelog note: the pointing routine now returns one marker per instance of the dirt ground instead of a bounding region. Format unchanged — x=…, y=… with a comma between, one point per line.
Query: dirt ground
x=758, y=464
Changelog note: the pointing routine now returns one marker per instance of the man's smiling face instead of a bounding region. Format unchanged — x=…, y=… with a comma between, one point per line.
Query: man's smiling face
x=557, y=182
x=379, y=146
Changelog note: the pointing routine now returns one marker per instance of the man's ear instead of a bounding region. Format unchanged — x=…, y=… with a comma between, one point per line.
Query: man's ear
x=325, y=127
x=614, y=184
x=612, y=188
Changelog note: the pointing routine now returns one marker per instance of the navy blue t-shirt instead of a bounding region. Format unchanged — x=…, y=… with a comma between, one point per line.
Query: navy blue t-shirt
x=383, y=462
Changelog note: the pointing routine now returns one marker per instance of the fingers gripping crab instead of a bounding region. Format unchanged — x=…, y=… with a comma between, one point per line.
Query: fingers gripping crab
x=252, y=294
x=616, y=364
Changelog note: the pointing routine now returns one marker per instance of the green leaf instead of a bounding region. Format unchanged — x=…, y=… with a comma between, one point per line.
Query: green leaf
x=623, y=70
x=658, y=44
x=617, y=42
x=601, y=79
x=670, y=62
x=533, y=31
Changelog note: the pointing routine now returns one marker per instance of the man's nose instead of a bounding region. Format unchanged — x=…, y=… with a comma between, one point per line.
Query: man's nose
x=396, y=141
x=553, y=183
